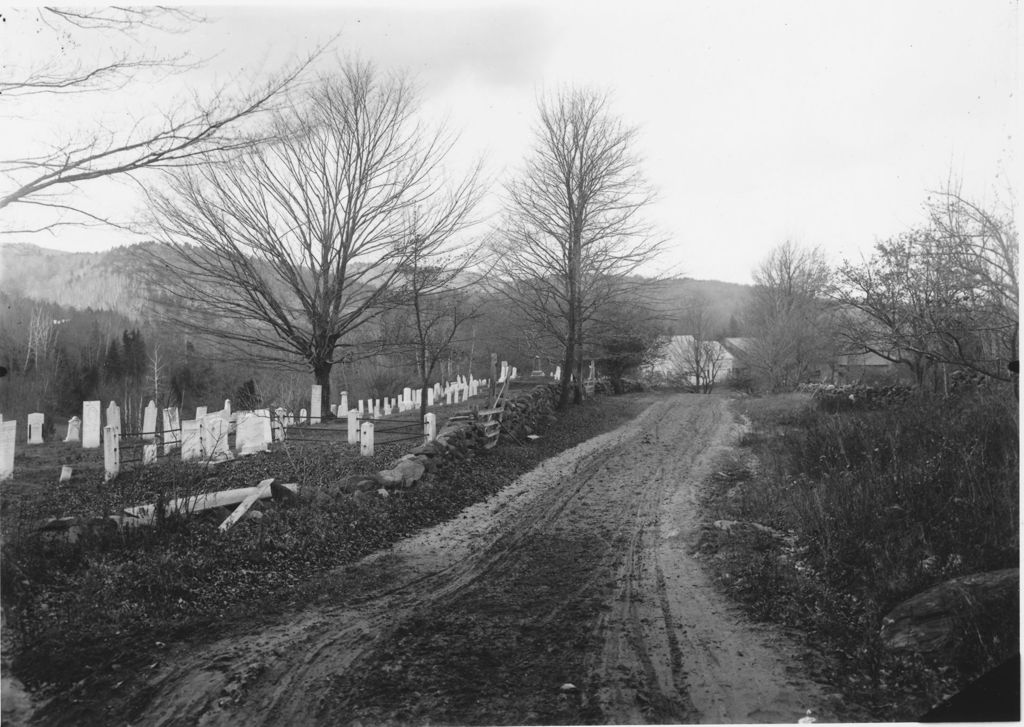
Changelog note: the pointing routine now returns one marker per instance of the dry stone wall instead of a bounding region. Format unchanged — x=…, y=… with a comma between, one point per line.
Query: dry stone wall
x=523, y=415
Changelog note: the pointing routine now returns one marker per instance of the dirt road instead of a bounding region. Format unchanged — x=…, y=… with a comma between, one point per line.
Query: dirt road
x=570, y=597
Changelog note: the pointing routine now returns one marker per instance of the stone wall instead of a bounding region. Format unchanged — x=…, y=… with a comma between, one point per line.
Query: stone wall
x=524, y=414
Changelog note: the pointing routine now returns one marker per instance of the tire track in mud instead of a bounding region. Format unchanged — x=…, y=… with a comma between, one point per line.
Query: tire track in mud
x=578, y=572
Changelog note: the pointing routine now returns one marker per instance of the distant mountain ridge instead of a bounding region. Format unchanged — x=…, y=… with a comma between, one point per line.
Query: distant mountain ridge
x=115, y=280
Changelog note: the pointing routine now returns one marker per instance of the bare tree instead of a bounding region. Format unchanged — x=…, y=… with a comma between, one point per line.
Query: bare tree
x=573, y=223
x=697, y=357
x=944, y=293
x=791, y=314
x=185, y=134
x=289, y=248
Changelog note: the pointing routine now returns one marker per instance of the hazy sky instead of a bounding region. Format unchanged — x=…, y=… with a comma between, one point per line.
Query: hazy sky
x=823, y=122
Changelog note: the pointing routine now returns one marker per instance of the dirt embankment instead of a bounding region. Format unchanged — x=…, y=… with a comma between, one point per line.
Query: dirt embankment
x=572, y=596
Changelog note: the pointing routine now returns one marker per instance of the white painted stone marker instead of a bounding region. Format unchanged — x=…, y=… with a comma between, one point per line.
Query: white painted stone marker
x=114, y=417
x=35, y=428
x=191, y=440
x=111, y=453
x=366, y=439
x=65, y=474
x=315, y=404
x=353, y=426
x=74, y=430
x=8, y=433
x=343, y=406
x=250, y=433
x=149, y=422
x=201, y=412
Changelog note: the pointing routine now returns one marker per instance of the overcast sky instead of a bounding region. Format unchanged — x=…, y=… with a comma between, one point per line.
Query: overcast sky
x=822, y=122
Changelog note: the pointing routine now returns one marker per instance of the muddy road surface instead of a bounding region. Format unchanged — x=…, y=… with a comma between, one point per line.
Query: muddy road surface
x=571, y=597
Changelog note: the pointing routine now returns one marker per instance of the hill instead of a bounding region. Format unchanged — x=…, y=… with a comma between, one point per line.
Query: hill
x=114, y=280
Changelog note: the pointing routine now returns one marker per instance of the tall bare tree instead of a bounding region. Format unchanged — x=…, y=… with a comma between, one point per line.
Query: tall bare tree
x=289, y=248
x=184, y=134
x=791, y=315
x=574, y=229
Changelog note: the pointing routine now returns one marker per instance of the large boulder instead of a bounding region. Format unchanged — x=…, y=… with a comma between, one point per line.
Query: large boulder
x=978, y=604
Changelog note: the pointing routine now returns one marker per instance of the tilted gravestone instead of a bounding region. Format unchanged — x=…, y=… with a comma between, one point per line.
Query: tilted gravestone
x=74, y=430
x=35, y=428
x=90, y=424
x=8, y=433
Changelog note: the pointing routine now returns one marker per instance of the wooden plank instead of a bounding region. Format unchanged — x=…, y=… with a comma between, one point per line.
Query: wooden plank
x=261, y=491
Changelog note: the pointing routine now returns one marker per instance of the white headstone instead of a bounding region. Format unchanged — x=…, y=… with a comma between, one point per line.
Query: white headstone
x=315, y=408
x=227, y=410
x=250, y=434
x=387, y=407
x=148, y=454
x=558, y=373
x=430, y=397
x=334, y=409
x=111, y=453
x=90, y=424
x=201, y=412
x=215, y=439
x=343, y=406
x=448, y=393
x=514, y=374
x=361, y=406
x=366, y=439
x=65, y=474
x=114, y=417
x=303, y=416
x=172, y=429
x=191, y=440
x=149, y=422
x=353, y=426
x=8, y=433
x=407, y=394
x=74, y=430
x=35, y=428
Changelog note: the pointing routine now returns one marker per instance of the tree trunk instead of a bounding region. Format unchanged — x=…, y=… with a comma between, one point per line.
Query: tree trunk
x=322, y=376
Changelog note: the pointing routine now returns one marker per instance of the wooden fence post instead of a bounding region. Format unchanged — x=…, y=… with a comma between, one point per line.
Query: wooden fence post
x=366, y=439
x=111, y=453
x=430, y=426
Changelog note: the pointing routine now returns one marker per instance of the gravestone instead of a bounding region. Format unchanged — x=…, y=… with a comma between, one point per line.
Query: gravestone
x=191, y=440
x=227, y=410
x=172, y=429
x=448, y=394
x=514, y=374
x=65, y=474
x=35, y=428
x=74, y=430
x=90, y=424
x=278, y=424
x=343, y=406
x=303, y=416
x=353, y=426
x=111, y=453
x=366, y=439
x=149, y=422
x=334, y=409
x=268, y=433
x=361, y=406
x=407, y=394
x=315, y=404
x=387, y=407
x=215, y=439
x=8, y=432
x=593, y=370
x=114, y=417
x=558, y=373
x=148, y=453
x=200, y=412
x=250, y=433
x=430, y=397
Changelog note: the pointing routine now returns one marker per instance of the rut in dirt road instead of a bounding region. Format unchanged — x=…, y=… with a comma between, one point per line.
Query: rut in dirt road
x=578, y=574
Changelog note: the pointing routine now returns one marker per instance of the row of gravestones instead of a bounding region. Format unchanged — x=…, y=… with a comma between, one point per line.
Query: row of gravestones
x=206, y=436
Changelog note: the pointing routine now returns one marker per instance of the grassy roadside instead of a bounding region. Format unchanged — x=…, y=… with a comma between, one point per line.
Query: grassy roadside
x=863, y=509
x=80, y=615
